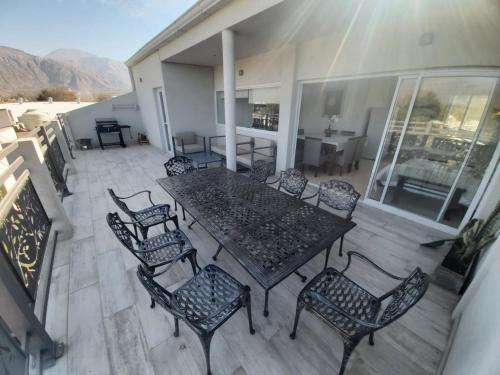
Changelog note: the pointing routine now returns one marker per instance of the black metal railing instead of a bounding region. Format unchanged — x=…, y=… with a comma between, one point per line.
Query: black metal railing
x=62, y=123
x=55, y=162
x=23, y=234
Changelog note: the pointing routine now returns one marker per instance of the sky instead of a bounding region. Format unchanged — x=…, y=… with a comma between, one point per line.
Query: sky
x=109, y=28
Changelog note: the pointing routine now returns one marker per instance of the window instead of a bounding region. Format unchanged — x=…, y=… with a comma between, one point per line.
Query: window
x=255, y=108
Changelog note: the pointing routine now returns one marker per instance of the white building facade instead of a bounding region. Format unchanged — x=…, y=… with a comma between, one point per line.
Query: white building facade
x=412, y=77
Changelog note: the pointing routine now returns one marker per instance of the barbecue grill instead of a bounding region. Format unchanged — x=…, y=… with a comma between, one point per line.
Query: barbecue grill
x=110, y=126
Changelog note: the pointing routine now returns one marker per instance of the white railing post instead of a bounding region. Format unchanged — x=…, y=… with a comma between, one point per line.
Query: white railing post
x=34, y=161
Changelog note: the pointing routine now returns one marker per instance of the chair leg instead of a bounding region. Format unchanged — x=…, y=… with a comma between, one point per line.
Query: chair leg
x=219, y=249
x=341, y=244
x=175, y=204
x=371, y=340
x=266, y=304
x=144, y=232
x=327, y=255
x=303, y=278
x=176, y=223
x=192, y=223
x=153, y=303
x=176, y=329
x=248, y=304
x=348, y=348
x=183, y=214
x=298, y=310
x=192, y=260
x=205, y=343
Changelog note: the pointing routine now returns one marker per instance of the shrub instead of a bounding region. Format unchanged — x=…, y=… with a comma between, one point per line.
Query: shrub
x=58, y=94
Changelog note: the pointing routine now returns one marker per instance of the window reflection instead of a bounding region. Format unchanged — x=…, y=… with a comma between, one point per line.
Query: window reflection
x=255, y=108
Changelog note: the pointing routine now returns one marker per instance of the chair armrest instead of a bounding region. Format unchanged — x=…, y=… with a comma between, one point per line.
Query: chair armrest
x=210, y=140
x=203, y=140
x=311, y=196
x=273, y=182
x=139, y=192
x=340, y=311
x=350, y=254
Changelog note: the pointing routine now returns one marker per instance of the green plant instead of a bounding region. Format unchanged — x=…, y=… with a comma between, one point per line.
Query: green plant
x=478, y=233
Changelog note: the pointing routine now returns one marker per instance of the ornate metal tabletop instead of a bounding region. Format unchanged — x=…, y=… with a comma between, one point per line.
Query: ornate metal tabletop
x=270, y=233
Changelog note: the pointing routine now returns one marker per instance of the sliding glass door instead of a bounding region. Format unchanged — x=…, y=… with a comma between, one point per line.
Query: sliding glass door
x=441, y=135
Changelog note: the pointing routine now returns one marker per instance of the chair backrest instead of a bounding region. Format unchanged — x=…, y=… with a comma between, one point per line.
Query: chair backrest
x=121, y=231
x=293, y=182
x=404, y=296
x=188, y=137
x=155, y=290
x=179, y=165
x=338, y=195
x=312, y=151
x=261, y=170
x=347, y=132
x=265, y=147
x=121, y=204
x=360, y=146
x=349, y=150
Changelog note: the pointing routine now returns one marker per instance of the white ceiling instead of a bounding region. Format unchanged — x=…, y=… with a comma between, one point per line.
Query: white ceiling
x=287, y=22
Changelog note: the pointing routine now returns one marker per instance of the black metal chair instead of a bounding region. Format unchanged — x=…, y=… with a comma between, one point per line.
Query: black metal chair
x=261, y=170
x=179, y=165
x=155, y=251
x=147, y=217
x=352, y=310
x=339, y=195
x=204, y=303
x=292, y=181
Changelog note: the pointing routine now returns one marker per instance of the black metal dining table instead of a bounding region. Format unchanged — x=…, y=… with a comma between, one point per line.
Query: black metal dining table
x=270, y=233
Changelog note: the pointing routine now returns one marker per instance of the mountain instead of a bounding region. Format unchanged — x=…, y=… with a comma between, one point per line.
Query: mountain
x=114, y=72
x=23, y=73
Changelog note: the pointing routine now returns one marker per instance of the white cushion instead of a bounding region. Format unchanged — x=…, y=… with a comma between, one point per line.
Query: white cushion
x=221, y=150
x=189, y=149
x=188, y=137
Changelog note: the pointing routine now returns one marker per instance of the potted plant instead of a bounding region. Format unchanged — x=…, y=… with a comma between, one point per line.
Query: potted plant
x=456, y=270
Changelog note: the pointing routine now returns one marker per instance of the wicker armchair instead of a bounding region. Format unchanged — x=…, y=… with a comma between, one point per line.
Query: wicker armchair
x=155, y=251
x=338, y=195
x=147, y=217
x=204, y=303
x=176, y=166
x=353, y=311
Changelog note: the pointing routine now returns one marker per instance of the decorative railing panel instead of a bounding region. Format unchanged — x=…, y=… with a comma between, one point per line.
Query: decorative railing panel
x=57, y=157
x=62, y=123
x=23, y=234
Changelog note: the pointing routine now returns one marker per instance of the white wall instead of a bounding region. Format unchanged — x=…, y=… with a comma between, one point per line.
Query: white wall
x=385, y=38
x=148, y=76
x=189, y=93
x=82, y=120
x=359, y=97
x=475, y=346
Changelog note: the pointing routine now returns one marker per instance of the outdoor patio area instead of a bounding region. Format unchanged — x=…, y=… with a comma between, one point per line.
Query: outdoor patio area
x=100, y=310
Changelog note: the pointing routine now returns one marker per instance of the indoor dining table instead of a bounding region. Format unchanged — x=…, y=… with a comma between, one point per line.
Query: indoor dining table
x=270, y=233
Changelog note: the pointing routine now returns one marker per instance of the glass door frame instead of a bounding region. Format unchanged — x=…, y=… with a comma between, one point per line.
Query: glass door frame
x=488, y=172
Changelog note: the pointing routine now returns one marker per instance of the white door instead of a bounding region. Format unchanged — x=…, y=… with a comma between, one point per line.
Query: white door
x=163, y=119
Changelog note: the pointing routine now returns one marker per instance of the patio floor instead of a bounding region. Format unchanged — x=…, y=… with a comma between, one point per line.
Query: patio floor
x=98, y=308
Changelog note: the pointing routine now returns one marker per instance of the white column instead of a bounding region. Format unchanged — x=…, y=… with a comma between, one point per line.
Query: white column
x=229, y=97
